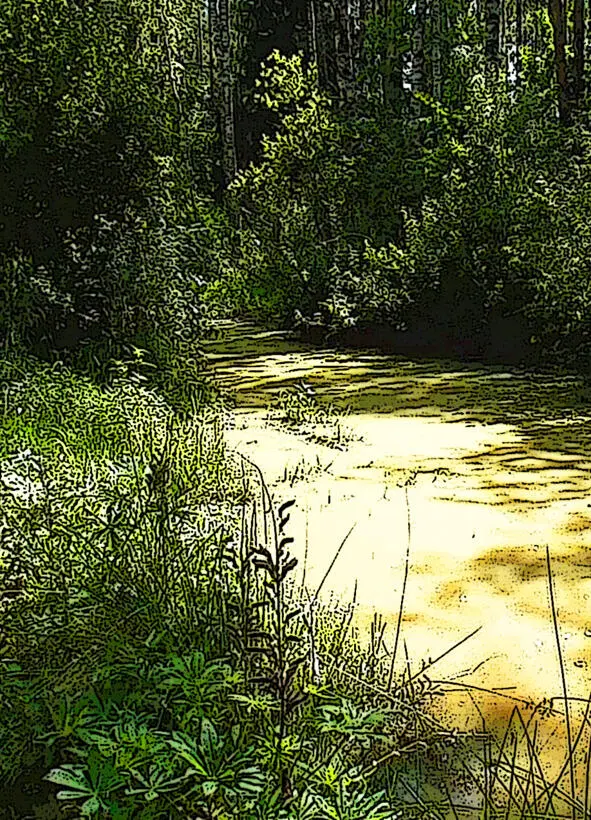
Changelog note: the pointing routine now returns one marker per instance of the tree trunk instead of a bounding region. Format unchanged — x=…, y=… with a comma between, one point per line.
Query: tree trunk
x=199, y=51
x=364, y=11
x=313, y=14
x=579, y=50
x=223, y=90
x=493, y=30
x=354, y=22
x=556, y=10
x=343, y=50
x=417, y=74
x=327, y=38
x=436, y=50
x=393, y=81
x=518, y=39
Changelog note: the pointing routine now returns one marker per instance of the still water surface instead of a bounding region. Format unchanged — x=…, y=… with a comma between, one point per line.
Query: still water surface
x=497, y=465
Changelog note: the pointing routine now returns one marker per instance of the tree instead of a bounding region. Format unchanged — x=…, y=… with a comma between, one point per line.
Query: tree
x=393, y=67
x=518, y=39
x=262, y=27
x=579, y=50
x=557, y=18
x=436, y=14
x=493, y=30
x=223, y=90
x=89, y=154
x=417, y=76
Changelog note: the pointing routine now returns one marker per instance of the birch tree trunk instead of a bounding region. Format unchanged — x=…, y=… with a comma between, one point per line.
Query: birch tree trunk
x=313, y=31
x=342, y=50
x=327, y=39
x=354, y=36
x=518, y=39
x=493, y=30
x=199, y=50
x=417, y=73
x=393, y=79
x=579, y=50
x=224, y=88
x=211, y=15
x=436, y=50
x=556, y=10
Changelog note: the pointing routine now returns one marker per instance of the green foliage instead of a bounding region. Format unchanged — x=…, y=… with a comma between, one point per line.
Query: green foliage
x=299, y=410
x=505, y=235
x=156, y=658
x=101, y=199
x=287, y=201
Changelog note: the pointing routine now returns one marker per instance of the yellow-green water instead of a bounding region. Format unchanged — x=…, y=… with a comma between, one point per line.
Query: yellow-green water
x=498, y=465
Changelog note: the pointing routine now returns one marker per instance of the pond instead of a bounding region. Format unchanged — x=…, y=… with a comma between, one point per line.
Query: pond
x=483, y=466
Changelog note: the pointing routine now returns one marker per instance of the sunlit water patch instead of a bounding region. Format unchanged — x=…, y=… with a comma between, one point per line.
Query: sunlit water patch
x=485, y=467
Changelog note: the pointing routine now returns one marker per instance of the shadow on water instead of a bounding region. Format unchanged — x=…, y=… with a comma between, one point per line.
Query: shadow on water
x=512, y=449
x=501, y=459
x=550, y=412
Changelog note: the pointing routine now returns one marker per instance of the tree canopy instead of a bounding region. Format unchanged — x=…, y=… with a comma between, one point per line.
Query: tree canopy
x=413, y=172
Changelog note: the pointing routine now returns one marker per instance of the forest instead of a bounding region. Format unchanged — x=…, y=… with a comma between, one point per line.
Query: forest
x=411, y=175
x=415, y=174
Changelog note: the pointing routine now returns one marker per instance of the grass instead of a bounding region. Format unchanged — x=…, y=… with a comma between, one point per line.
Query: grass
x=297, y=408
x=304, y=470
x=158, y=659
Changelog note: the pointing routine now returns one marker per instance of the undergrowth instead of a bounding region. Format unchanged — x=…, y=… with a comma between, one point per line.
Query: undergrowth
x=159, y=655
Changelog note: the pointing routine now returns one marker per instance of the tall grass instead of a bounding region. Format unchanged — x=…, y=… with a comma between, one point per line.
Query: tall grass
x=158, y=658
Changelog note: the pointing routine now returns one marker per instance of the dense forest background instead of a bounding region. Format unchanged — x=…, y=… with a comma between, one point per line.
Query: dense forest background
x=416, y=174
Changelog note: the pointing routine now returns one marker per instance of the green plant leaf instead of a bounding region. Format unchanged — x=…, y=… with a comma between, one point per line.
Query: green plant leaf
x=209, y=787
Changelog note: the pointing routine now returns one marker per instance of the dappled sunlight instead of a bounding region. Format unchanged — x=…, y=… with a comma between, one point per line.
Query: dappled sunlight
x=496, y=464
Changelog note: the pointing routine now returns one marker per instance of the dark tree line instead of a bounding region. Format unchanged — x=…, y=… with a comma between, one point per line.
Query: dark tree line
x=127, y=131
x=409, y=55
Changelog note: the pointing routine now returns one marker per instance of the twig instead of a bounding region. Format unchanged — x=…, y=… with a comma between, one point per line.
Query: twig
x=403, y=594
x=563, y=679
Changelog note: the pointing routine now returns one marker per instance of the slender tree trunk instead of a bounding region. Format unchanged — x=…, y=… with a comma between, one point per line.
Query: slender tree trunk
x=200, y=37
x=436, y=50
x=175, y=82
x=211, y=15
x=364, y=11
x=579, y=50
x=493, y=30
x=518, y=39
x=417, y=75
x=342, y=49
x=212, y=33
x=227, y=94
x=170, y=60
x=556, y=9
x=313, y=15
x=222, y=85
x=393, y=80
x=327, y=35
x=359, y=29
x=353, y=35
